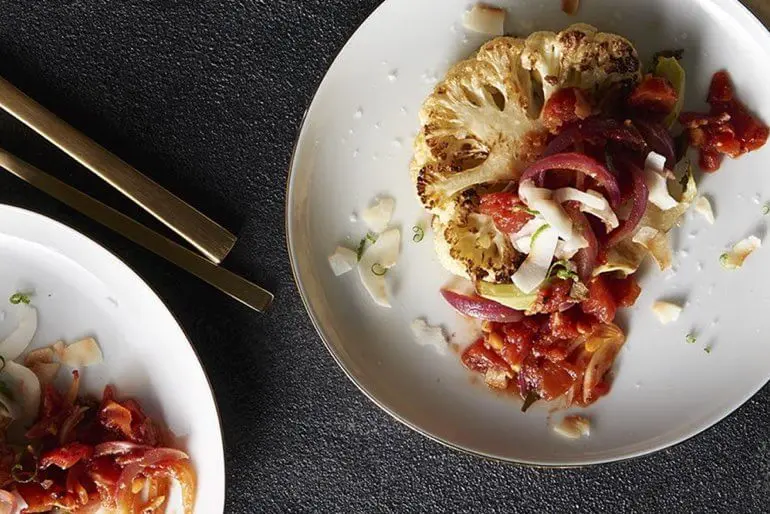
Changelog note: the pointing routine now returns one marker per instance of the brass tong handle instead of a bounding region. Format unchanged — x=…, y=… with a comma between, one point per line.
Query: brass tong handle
x=224, y=280
x=203, y=233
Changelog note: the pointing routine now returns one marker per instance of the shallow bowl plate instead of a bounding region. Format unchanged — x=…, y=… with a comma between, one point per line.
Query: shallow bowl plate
x=80, y=290
x=356, y=143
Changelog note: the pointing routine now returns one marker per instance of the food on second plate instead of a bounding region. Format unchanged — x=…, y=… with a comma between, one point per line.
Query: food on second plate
x=65, y=452
x=550, y=171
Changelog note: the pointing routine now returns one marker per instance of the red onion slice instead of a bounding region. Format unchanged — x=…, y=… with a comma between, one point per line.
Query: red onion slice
x=639, y=199
x=481, y=308
x=596, y=130
x=579, y=163
x=658, y=139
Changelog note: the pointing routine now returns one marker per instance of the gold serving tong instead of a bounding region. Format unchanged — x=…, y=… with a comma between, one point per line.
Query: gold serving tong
x=204, y=234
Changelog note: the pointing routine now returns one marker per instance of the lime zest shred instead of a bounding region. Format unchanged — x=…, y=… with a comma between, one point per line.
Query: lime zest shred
x=378, y=269
x=691, y=339
x=523, y=208
x=419, y=233
x=538, y=232
x=766, y=209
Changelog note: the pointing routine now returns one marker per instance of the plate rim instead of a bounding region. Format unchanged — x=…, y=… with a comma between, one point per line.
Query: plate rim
x=753, y=23
x=115, y=260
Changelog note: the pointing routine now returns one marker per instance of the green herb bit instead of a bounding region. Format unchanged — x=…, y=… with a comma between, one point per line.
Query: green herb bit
x=378, y=269
x=723, y=259
x=691, y=339
x=532, y=397
x=566, y=274
x=707, y=349
x=360, y=249
x=521, y=207
x=371, y=237
x=17, y=298
x=538, y=232
x=2, y=363
x=419, y=233
x=766, y=209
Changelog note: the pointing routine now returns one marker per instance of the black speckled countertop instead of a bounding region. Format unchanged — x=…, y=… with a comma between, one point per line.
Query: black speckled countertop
x=206, y=97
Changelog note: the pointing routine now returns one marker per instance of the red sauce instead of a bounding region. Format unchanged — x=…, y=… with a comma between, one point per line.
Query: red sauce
x=538, y=351
x=728, y=128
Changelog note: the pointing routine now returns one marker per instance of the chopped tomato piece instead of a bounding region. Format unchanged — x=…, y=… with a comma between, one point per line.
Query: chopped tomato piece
x=553, y=297
x=721, y=88
x=564, y=325
x=600, y=302
x=710, y=160
x=565, y=106
x=625, y=290
x=507, y=211
x=728, y=129
x=654, y=95
x=478, y=357
x=67, y=456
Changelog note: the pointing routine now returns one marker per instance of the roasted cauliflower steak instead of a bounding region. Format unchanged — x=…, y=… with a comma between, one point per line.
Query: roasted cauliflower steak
x=481, y=127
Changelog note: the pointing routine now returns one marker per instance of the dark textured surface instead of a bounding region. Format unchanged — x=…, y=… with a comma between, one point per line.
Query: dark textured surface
x=205, y=96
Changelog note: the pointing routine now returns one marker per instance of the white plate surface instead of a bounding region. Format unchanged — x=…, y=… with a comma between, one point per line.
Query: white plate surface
x=81, y=289
x=356, y=144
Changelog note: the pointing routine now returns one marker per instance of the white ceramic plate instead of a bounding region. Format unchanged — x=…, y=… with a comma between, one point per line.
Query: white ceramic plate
x=81, y=289
x=356, y=144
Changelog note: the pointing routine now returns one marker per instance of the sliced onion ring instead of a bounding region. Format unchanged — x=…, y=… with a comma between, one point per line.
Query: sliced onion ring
x=596, y=130
x=658, y=139
x=639, y=202
x=579, y=163
x=481, y=308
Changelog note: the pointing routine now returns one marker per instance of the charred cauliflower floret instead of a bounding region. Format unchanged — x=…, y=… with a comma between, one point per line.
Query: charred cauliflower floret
x=469, y=245
x=482, y=125
x=581, y=57
x=474, y=124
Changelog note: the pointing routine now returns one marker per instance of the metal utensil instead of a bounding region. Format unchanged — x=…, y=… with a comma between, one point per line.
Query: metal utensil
x=200, y=231
x=226, y=281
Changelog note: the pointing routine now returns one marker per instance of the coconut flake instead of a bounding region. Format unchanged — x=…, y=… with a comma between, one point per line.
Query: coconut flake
x=428, y=335
x=485, y=19
x=342, y=260
x=655, y=178
x=378, y=216
x=666, y=312
x=58, y=349
x=25, y=387
x=85, y=352
x=657, y=244
x=17, y=342
x=534, y=269
x=381, y=255
x=703, y=207
x=573, y=427
x=740, y=251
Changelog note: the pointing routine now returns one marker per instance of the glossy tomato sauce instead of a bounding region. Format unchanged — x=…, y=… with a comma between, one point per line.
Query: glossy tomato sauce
x=536, y=354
